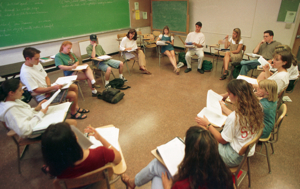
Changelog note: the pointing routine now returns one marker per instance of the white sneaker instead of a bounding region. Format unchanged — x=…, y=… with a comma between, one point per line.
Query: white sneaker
x=180, y=64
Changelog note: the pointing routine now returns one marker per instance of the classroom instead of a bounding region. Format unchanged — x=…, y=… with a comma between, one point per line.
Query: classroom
x=161, y=105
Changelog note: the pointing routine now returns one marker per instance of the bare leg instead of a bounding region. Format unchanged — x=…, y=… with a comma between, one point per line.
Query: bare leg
x=107, y=73
x=226, y=60
x=168, y=53
x=121, y=68
x=71, y=122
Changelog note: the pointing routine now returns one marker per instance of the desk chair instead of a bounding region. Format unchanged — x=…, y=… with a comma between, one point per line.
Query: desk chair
x=120, y=36
x=150, y=40
x=216, y=52
x=160, y=55
x=101, y=174
x=245, y=151
x=280, y=101
x=20, y=142
x=101, y=73
x=274, y=135
x=293, y=86
x=139, y=42
x=231, y=63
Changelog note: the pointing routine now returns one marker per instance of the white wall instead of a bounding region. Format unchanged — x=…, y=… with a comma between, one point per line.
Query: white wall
x=107, y=40
x=256, y=17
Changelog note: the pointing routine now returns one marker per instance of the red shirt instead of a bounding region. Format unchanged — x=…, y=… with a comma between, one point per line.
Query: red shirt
x=97, y=158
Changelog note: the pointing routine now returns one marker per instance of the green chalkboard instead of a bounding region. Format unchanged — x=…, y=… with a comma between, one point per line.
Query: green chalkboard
x=287, y=5
x=171, y=13
x=26, y=21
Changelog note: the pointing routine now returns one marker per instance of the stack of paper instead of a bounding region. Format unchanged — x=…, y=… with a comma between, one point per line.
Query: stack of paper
x=81, y=67
x=55, y=114
x=172, y=154
x=44, y=60
x=110, y=134
x=213, y=110
x=248, y=79
x=253, y=55
x=66, y=81
x=104, y=57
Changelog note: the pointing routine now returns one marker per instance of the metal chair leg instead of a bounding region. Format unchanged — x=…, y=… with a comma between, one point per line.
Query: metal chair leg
x=268, y=158
x=79, y=88
x=18, y=159
x=249, y=175
x=127, y=66
x=272, y=148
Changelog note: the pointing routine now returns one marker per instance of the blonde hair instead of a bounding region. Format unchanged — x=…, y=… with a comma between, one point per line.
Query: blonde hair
x=65, y=43
x=271, y=87
x=238, y=36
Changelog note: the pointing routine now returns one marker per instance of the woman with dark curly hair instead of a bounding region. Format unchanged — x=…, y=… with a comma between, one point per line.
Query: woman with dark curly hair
x=241, y=125
x=201, y=167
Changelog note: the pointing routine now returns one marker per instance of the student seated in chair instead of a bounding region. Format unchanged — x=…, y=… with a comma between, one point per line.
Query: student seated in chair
x=94, y=50
x=265, y=48
x=65, y=158
x=241, y=126
x=35, y=78
x=235, y=43
x=66, y=61
x=128, y=43
x=202, y=167
x=197, y=38
x=18, y=115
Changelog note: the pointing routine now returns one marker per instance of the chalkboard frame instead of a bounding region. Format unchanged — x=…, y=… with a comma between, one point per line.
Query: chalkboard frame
x=187, y=18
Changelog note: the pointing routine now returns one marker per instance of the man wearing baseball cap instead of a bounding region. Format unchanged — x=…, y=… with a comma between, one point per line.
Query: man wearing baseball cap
x=94, y=50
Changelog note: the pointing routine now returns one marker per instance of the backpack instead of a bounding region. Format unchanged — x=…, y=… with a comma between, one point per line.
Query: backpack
x=206, y=66
x=26, y=97
x=118, y=83
x=181, y=57
x=111, y=95
x=236, y=70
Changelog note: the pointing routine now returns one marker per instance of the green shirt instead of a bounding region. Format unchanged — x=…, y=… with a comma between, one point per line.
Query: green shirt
x=99, y=50
x=269, y=116
x=64, y=59
x=267, y=50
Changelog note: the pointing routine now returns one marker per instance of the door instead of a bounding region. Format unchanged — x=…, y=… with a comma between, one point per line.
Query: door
x=296, y=47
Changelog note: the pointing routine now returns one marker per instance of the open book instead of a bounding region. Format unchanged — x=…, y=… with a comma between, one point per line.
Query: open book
x=80, y=67
x=66, y=81
x=248, y=79
x=213, y=110
x=48, y=102
x=55, y=114
x=110, y=134
x=172, y=154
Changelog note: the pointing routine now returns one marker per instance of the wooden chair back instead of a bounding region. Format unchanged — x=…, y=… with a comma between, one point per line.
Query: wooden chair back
x=279, y=102
x=247, y=147
x=101, y=174
x=120, y=36
x=281, y=112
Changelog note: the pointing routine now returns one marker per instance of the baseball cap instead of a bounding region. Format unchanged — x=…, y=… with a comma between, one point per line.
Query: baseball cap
x=93, y=37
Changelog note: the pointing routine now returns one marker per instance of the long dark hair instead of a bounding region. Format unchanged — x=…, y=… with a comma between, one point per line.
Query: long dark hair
x=202, y=164
x=248, y=111
x=7, y=86
x=60, y=148
x=132, y=31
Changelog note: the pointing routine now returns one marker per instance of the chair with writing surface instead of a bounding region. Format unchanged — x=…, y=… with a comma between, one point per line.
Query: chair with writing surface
x=280, y=97
x=19, y=143
x=217, y=52
x=122, y=53
x=274, y=135
x=120, y=36
x=244, y=152
x=150, y=40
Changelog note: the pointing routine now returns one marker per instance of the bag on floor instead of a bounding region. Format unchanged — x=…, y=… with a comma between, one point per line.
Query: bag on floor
x=236, y=70
x=118, y=83
x=206, y=66
x=181, y=57
x=111, y=95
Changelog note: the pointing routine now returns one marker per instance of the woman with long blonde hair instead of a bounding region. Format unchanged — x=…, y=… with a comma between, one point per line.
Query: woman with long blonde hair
x=241, y=125
x=67, y=61
x=235, y=44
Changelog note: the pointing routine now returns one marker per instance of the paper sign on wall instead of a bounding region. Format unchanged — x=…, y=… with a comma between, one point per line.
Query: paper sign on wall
x=145, y=15
x=136, y=6
x=290, y=16
x=137, y=14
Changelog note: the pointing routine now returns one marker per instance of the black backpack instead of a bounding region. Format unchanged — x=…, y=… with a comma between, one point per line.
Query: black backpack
x=118, y=83
x=111, y=95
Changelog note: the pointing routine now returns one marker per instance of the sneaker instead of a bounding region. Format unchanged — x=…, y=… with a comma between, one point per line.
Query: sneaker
x=107, y=86
x=180, y=64
x=188, y=70
x=125, y=80
x=200, y=71
x=95, y=94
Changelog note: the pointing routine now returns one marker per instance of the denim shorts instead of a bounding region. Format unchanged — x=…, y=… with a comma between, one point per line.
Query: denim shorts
x=68, y=73
x=108, y=63
x=230, y=157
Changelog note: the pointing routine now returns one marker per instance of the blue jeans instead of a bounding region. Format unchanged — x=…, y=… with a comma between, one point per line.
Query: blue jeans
x=248, y=65
x=152, y=172
x=230, y=157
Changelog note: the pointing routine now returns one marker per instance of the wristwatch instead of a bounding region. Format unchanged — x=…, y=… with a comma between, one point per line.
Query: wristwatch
x=207, y=127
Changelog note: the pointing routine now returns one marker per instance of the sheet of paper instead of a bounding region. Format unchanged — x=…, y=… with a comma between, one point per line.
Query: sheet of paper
x=248, y=79
x=137, y=15
x=253, y=55
x=132, y=50
x=48, y=102
x=55, y=114
x=172, y=154
x=128, y=55
x=215, y=119
x=66, y=81
x=81, y=67
x=161, y=43
x=110, y=134
x=145, y=15
x=104, y=57
x=213, y=102
x=263, y=61
x=83, y=141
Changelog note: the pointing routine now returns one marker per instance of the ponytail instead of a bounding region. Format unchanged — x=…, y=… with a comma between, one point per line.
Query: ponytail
x=7, y=86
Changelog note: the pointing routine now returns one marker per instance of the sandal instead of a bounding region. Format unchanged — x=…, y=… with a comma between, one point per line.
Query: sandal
x=73, y=116
x=226, y=72
x=83, y=110
x=177, y=71
x=125, y=179
x=223, y=77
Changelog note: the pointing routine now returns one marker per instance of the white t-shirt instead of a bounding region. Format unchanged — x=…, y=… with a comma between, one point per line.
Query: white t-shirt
x=160, y=36
x=34, y=77
x=127, y=43
x=198, y=38
x=235, y=136
x=293, y=71
x=282, y=80
x=233, y=41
